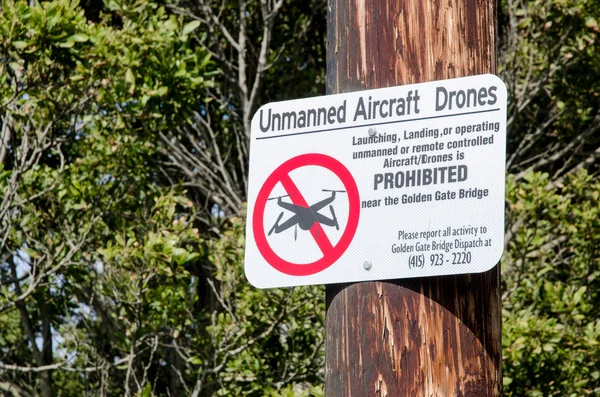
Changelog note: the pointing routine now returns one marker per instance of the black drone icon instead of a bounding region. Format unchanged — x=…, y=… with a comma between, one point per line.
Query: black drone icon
x=305, y=217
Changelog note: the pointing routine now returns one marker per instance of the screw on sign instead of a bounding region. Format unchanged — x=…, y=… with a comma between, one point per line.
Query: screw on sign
x=306, y=217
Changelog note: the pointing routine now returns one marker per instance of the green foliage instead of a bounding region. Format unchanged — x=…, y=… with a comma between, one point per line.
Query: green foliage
x=551, y=330
x=551, y=324
x=284, y=328
x=81, y=176
x=551, y=65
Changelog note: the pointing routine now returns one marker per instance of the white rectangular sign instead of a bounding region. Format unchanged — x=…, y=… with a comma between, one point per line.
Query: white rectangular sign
x=382, y=184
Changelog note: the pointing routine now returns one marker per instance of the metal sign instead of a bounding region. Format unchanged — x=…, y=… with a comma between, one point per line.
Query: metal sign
x=382, y=184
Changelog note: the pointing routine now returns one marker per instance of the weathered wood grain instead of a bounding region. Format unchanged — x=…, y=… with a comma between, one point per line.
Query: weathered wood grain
x=434, y=337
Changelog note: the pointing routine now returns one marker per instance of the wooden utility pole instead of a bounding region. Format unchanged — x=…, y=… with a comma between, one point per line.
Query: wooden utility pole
x=430, y=337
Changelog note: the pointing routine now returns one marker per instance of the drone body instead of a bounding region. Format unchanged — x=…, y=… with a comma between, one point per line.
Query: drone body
x=305, y=217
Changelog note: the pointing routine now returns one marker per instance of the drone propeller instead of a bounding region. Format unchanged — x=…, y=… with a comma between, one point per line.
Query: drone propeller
x=275, y=198
x=337, y=191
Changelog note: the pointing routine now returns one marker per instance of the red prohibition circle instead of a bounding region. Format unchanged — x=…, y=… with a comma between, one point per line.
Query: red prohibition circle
x=331, y=253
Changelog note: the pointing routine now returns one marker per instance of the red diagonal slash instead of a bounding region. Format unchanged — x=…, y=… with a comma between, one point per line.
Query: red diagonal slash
x=316, y=230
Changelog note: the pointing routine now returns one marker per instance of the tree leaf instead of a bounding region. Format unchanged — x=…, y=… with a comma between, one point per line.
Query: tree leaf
x=190, y=27
x=162, y=90
x=79, y=38
x=19, y=44
x=579, y=294
x=67, y=44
